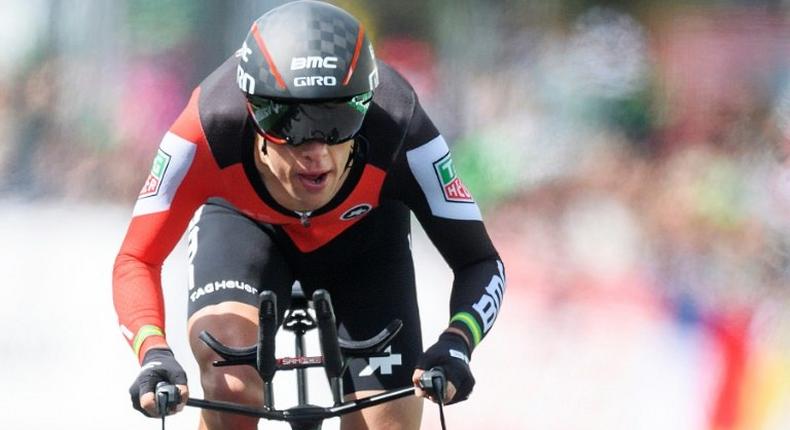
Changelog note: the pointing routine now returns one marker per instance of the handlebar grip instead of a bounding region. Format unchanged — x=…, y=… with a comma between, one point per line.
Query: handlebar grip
x=327, y=334
x=167, y=397
x=434, y=382
x=267, y=329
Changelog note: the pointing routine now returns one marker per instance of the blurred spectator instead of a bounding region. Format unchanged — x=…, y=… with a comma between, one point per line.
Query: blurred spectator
x=32, y=99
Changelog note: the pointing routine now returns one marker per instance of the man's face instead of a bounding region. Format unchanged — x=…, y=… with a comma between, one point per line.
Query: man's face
x=307, y=176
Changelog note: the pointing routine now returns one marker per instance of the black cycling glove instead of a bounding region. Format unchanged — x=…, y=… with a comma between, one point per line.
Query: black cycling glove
x=451, y=353
x=159, y=365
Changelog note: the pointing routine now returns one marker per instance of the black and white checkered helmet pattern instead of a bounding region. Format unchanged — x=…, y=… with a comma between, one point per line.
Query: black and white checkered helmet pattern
x=306, y=50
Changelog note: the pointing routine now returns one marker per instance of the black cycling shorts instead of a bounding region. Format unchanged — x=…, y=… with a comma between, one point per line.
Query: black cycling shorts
x=368, y=271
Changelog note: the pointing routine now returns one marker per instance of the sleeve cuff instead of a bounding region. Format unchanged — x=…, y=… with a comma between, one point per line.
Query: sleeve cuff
x=465, y=322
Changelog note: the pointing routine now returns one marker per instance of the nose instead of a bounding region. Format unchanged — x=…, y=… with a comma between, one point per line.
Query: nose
x=313, y=149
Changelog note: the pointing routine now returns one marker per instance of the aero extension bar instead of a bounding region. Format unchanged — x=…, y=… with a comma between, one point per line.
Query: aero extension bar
x=336, y=353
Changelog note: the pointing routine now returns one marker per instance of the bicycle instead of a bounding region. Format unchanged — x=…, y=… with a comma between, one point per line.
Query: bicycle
x=336, y=352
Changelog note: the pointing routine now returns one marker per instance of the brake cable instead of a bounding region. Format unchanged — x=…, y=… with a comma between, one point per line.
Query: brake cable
x=433, y=381
x=166, y=395
x=440, y=397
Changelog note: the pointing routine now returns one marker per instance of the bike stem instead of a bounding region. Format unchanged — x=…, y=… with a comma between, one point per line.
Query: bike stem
x=301, y=373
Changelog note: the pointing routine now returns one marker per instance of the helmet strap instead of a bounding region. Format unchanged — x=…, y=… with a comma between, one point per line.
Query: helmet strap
x=352, y=155
x=263, y=145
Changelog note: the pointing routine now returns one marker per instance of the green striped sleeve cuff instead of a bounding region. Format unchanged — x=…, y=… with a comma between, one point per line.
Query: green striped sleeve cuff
x=144, y=333
x=469, y=321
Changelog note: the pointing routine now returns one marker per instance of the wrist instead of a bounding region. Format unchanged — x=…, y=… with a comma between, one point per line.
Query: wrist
x=148, y=337
x=453, y=331
x=152, y=345
x=157, y=353
x=466, y=325
x=458, y=340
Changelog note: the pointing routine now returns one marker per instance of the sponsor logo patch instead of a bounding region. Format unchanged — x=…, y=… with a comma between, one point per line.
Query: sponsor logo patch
x=383, y=364
x=434, y=171
x=491, y=301
x=454, y=190
x=217, y=286
x=154, y=180
x=459, y=355
x=313, y=62
x=315, y=81
x=356, y=211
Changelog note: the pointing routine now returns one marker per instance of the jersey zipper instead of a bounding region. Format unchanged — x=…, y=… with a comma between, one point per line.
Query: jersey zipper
x=304, y=217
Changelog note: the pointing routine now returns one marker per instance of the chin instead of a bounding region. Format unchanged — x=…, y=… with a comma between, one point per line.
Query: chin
x=311, y=203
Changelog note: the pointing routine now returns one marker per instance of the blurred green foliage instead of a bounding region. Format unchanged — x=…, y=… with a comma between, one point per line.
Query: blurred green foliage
x=155, y=26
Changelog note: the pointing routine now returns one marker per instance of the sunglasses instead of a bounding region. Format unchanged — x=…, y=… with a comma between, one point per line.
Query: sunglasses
x=293, y=123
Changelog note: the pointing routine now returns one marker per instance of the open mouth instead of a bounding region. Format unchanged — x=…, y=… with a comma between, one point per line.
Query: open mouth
x=313, y=181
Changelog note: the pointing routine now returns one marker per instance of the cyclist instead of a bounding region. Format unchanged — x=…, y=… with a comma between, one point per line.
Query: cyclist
x=301, y=158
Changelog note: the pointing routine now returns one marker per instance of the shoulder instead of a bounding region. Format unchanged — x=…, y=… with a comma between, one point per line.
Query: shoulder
x=223, y=114
x=395, y=121
x=394, y=94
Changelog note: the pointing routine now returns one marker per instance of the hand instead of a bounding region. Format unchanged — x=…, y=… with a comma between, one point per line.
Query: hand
x=159, y=365
x=451, y=353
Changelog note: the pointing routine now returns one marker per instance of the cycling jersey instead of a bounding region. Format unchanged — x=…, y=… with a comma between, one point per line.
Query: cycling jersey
x=232, y=258
x=209, y=152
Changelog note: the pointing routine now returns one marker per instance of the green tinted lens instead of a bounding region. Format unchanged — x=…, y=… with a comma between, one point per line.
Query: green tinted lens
x=361, y=102
x=268, y=113
x=329, y=121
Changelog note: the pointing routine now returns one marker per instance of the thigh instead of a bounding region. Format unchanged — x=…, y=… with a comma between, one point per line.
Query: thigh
x=401, y=414
x=232, y=258
x=234, y=324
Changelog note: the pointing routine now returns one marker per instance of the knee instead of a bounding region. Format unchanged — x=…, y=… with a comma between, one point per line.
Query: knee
x=230, y=384
x=237, y=384
x=233, y=326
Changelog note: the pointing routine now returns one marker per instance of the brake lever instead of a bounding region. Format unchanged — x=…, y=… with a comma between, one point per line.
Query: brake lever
x=433, y=382
x=167, y=396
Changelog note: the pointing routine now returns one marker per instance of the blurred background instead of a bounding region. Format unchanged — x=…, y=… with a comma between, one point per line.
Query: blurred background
x=632, y=159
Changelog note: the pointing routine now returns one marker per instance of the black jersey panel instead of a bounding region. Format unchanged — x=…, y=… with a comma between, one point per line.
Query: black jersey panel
x=401, y=184
x=421, y=130
x=223, y=115
x=388, y=118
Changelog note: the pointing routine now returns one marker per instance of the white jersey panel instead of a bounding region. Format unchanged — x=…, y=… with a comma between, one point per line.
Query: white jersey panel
x=447, y=196
x=170, y=165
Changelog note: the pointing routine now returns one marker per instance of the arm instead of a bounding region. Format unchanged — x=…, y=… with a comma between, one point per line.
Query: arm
x=451, y=218
x=174, y=189
x=430, y=186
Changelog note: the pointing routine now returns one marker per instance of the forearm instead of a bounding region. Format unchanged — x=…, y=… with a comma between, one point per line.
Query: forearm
x=476, y=299
x=139, y=305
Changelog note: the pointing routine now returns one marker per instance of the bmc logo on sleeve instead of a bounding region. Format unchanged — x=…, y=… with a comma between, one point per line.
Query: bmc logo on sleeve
x=491, y=301
x=452, y=187
x=154, y=181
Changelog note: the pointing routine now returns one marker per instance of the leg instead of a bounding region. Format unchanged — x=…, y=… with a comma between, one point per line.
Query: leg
x=401, y=414
x=231, y=259
x=234, y=324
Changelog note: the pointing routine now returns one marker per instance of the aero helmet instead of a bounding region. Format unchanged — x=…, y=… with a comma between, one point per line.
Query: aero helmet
x=308, y=71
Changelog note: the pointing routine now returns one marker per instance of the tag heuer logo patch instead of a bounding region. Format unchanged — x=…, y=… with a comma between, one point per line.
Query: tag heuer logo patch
x=154, y=181
x=452, y=187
